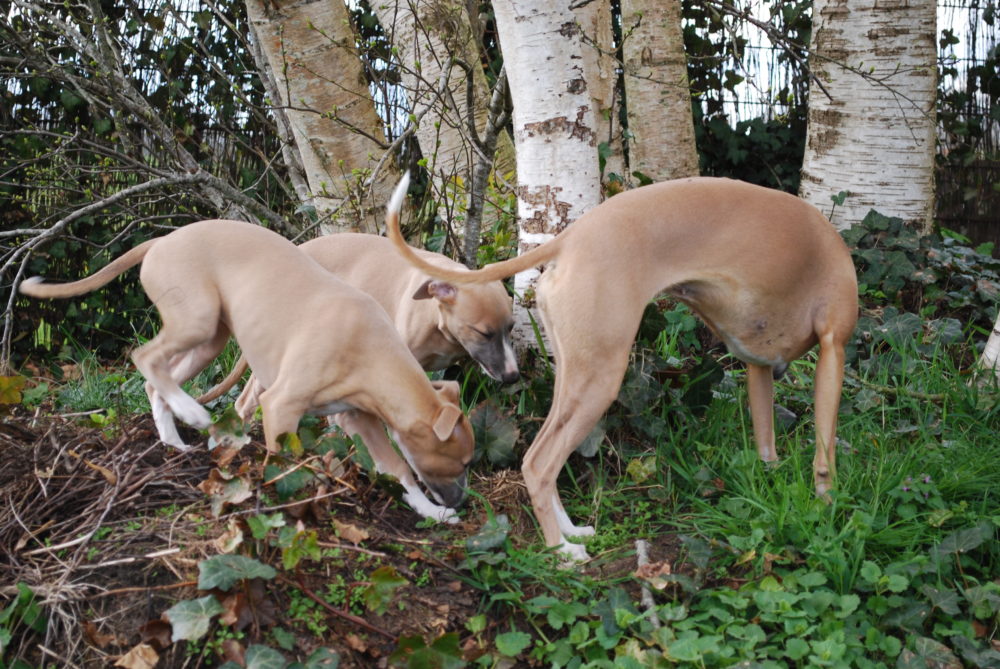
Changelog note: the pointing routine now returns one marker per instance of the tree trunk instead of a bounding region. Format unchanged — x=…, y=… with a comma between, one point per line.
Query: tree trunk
x=872, y=111
x=661, y=128
x=990, y=359
x=600, y=67
x=427, y=35
x=311, y=51
x=557, y=168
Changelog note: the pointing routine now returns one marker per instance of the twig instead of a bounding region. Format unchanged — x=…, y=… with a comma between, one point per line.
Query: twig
x=145, y=588
x=642, y=559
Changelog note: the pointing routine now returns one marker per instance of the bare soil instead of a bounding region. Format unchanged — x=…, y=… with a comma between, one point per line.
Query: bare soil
x=107, y=526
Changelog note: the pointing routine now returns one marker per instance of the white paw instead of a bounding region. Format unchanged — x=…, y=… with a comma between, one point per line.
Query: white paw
x=428, y=509
x=566, y=525
x=572, y=553
x=189, y=411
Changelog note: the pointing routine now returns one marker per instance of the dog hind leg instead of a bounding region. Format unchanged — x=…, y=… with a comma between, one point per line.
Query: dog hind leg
x=827, y=389
x=183, y=367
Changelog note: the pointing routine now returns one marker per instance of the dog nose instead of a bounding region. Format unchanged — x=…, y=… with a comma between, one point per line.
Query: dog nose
x=451, y=494
x=510, y=376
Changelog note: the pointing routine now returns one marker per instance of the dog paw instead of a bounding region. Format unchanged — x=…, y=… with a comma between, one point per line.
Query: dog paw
x=430, y=510
x=572, y=554
x=190, y=412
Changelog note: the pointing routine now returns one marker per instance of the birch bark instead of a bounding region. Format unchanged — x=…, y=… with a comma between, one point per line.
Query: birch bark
x=990, y=359
x=310, y=48
x=661, y=142
x=427, y=35
x=557, y=167
x=873, y=137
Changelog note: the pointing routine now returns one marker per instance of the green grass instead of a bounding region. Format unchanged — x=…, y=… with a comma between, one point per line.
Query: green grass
x=900, y=569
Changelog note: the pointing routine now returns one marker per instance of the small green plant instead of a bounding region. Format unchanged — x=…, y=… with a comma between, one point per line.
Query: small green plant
x=22, y=615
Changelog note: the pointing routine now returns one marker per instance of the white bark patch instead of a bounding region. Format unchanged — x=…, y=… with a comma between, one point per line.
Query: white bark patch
x=875, y=138
x=557, y=167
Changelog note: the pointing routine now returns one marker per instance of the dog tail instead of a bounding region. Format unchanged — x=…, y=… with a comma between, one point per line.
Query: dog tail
x=33, y=286
x=226, y=383
x=493, y=272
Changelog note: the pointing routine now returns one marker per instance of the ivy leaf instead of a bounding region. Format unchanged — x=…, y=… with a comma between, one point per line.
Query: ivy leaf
x=962, y=541
x=495, y=433
x=512, y=644
x=323, y=658
x=190, y=619
x=443, y=653
x=288, y=484
x=928, y=653
x=222, y=571
x=262, y=657
x=493, y=534
x=261, y=524
x=384, y=583
x=588, y=447
x=946, y=600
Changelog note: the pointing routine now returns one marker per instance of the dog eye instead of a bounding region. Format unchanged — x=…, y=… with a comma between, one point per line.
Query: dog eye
x=484, y=335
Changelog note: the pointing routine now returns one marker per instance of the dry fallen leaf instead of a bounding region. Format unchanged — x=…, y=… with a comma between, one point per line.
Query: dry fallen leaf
x=356, y=643
x=141, y=657
x=349, y=532
x=223, y=489
x=233, y=651
x=653, y=574
x=96, y=638
x=156, y=633
x=108, y=475
x=228, y=541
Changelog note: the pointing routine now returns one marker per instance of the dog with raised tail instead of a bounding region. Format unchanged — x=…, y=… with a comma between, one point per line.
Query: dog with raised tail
x=765, y=270
x=315, y=344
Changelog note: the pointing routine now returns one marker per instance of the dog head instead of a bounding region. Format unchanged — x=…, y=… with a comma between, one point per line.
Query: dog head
x=439, y=449
x=478, y=317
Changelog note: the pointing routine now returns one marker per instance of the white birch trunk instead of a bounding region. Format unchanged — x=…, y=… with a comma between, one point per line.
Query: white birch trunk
x=310, y=48
x=660, y=123
x=426, y=35
x=990, y=359
x=557, y=168
x=600, y=67
x=875, y=138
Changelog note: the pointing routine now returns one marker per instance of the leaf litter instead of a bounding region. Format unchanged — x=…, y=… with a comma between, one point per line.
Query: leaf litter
x=107, y=527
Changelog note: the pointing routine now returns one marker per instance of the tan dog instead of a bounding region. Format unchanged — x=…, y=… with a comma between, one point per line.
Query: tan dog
x=315, y=344
x=439, y=322
x=765, y=270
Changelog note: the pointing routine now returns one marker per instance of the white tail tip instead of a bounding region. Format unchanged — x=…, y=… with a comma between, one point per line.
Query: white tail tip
x=396, y=201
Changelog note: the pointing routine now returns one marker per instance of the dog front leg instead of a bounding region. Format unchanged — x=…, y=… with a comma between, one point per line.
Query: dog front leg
x=249, y=399
x=280, y=416
x=760, y=390
x=388, y=461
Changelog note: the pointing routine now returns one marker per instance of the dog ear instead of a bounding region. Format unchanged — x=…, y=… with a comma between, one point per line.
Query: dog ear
x=439, y=290
x=448, y=390
x=446, y=420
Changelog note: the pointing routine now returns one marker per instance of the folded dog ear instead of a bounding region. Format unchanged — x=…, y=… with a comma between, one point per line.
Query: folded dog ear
x=448, y=390
x=439, y=290
x=446, y=420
